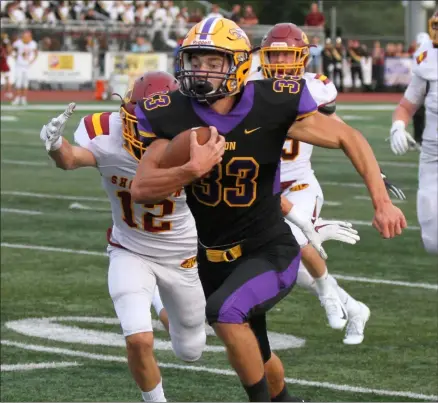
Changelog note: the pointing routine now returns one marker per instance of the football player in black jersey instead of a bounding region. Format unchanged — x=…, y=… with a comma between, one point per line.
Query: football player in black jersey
x=248, y=258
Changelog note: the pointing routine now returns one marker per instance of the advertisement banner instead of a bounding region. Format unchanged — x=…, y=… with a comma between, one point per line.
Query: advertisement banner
x=398, y=71
x=71, y=67
x=58, y=67
x=134, y=64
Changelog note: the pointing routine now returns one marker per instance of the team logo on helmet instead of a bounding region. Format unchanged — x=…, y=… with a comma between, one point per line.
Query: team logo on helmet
x=304, y=38
x=239, y=33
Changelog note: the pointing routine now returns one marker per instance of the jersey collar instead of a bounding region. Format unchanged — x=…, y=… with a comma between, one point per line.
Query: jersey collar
x=226, y=123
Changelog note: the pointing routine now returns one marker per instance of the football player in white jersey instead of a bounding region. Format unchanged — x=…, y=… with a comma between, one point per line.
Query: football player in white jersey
x=25, y=52
x=285, y=51
x=423, y=43
x=423, y=89
x=149, y=245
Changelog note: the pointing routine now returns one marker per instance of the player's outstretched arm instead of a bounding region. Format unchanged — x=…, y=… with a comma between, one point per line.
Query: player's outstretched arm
x=152, y=184
x=60, y=150
x=323, y=131
x=69, y=157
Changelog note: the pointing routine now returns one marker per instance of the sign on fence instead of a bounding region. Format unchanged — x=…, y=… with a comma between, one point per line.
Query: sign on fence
x=71, y=67
x=133, y=64
x=398, y=71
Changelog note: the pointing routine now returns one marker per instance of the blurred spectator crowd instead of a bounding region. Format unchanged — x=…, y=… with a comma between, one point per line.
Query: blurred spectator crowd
x=160, y=13
x=331, y=59
x=152, y=18
x=161, y=25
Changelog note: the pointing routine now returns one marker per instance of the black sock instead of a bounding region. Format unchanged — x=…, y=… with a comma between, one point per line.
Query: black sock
x=284, y=396
x=259, y=392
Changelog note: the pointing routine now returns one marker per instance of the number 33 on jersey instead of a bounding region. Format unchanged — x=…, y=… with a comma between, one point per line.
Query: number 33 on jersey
x=241, y=187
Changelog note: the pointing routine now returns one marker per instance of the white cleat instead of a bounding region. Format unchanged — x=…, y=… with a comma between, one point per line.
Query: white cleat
x=356, y=325
x=334, y=308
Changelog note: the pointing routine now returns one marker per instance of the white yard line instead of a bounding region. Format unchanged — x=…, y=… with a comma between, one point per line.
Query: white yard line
x=8, y=118
x=53, y=196
x=367, y=107
x=80, y=206
x=25, y=163
x=332, y=160
x=368, y=198
x=353, y=185
x=40, y=365
x=52, y=249
x=217, y=371
x=343, y=277
x=427, y=286
x=20, y=131
x=18, y=211
x=18, y=144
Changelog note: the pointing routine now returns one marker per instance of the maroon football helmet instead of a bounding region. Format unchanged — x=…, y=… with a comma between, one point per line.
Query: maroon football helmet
x=284, y=51
x=151, y=83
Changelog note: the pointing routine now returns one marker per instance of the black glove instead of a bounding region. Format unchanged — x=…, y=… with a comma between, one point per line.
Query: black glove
x=398, y=193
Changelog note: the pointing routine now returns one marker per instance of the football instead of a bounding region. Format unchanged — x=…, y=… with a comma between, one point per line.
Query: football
x=177, y=152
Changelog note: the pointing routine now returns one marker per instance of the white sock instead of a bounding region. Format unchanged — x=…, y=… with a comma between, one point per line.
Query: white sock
x=156, y=301
x=155, y=395
x=305, y=280
x=323, y=284
x=351, y=305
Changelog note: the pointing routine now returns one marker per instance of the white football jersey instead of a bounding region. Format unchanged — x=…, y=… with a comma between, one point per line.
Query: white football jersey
x=161, y=231
x=25, y=52
x=295, y=160
x=423, y=88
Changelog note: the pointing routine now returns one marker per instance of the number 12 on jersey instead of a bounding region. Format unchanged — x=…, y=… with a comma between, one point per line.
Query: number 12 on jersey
x=152, y=212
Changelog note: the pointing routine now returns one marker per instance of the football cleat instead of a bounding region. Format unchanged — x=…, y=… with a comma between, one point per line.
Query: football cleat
x=334, y=308
x=354, y=333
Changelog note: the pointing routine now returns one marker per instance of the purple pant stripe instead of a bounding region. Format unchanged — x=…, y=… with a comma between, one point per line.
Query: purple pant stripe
x=257, y=291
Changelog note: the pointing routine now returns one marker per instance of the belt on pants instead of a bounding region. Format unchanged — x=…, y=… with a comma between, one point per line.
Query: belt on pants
x=227, y=255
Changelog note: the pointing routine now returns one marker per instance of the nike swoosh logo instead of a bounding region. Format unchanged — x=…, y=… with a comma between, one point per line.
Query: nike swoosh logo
x=246, y=131
x=345, y=314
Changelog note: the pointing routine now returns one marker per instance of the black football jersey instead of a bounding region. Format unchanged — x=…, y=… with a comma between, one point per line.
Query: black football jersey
x=237, y=201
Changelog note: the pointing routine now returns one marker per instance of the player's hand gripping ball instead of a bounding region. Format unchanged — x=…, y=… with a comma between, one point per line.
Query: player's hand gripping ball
x=201, y=147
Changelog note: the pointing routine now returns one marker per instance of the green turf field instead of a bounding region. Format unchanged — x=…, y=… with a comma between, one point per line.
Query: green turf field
x=54, y=267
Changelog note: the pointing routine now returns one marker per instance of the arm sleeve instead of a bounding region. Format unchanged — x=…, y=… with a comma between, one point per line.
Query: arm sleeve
x=145, y=132
x=81, y=136
x=416, y=91
x=307, y=105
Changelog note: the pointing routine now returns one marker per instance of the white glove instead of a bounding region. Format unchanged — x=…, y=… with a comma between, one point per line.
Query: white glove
x=341, y=231
x=401, y=140
x=51, y=133
x=308, y=229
